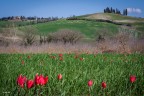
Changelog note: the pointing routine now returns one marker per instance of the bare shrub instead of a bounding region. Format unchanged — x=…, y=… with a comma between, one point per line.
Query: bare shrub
x=102, y=34
x=4, y=42
x=8, y=35
x=51, y=37
x=65, y=36
x=137, y=46
x=41, y=40
x=123, y=37
x=29, y=36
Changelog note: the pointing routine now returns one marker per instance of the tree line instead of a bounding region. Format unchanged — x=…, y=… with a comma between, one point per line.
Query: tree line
x=115, y=11
x=23, y=18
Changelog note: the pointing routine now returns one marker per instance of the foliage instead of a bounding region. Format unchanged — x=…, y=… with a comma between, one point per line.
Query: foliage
x=113, y=69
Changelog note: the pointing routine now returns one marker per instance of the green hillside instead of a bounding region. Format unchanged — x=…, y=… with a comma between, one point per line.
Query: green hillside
x=137, y=23
x=89, y=27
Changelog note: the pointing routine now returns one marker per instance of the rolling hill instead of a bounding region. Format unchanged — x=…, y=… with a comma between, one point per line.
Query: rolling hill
x=88, y=25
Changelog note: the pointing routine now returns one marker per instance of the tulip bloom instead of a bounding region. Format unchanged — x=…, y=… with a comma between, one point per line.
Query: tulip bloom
x=28, y=57
x=30, y=84
x=21, y=80
x=103, y=84
x=90, y=83
x=41, y=80
x=59, y=76
x=132, y=78
x=60, y=55
x=76, y=56
x=22, y=62
x=81, y=59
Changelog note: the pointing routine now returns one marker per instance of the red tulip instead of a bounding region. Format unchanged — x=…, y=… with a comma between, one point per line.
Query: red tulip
x=41, y=80
x=103, y=84
x=76, y=56
x=30, y=84
x=36, y=79
x=22, y=62
x=132, y=78
x=81, y=59
x=21, y=80
x=28, y=57
x=60, y=55
x=90, y=83
x=59, y=76
x=45, y=79
x=53, y=57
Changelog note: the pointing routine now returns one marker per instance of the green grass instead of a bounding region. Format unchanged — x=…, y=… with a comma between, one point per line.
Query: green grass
x=114, y=69
x=88, y=28
x=91, y=29
x=5, y=24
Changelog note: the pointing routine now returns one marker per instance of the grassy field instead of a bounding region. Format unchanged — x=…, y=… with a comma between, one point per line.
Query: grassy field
x=114, y=69
x=88, y=28
x=91, y=29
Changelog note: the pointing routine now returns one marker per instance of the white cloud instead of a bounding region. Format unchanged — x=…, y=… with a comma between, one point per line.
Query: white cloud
x=134, y=10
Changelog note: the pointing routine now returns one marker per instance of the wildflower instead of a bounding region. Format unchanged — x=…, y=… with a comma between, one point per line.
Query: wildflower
x=41, y=80
x=59, y=76
x=76, y=56
x=103, y=84
x=132, y=78
x=22, y=62
x=30, y=84
x=81, y=59
x=21, y=80
x=28, y=57
x=90, y=83
x=60, y=55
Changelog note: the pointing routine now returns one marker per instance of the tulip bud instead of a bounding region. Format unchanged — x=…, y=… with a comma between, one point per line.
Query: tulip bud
x=21, y=80
x=104, y=84
x=59, y=76
x=30, y=84
x=60, y=55
x=90, y=83
x=132, y=78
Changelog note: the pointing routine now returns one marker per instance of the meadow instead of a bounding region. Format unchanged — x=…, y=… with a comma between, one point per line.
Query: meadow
x=89, y=28
x=76, y=70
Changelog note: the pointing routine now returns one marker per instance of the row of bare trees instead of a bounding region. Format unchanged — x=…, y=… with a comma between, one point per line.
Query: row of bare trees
x=64, y=35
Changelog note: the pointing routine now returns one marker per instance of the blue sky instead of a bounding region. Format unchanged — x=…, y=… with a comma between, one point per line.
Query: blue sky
x=65, y=8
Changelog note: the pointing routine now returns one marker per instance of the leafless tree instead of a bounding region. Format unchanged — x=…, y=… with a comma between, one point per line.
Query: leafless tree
x=29, y=35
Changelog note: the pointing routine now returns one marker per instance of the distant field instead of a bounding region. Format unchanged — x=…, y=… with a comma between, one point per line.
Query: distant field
x=88, y=28
x=110, y=16
x=76, y=70
x=91, y=29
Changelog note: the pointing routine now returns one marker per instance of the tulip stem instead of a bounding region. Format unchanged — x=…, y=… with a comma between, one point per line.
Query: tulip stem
x=90, y=90
x=40, y=91
x=26, y=91
x=35, y=91
x=19, y=89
